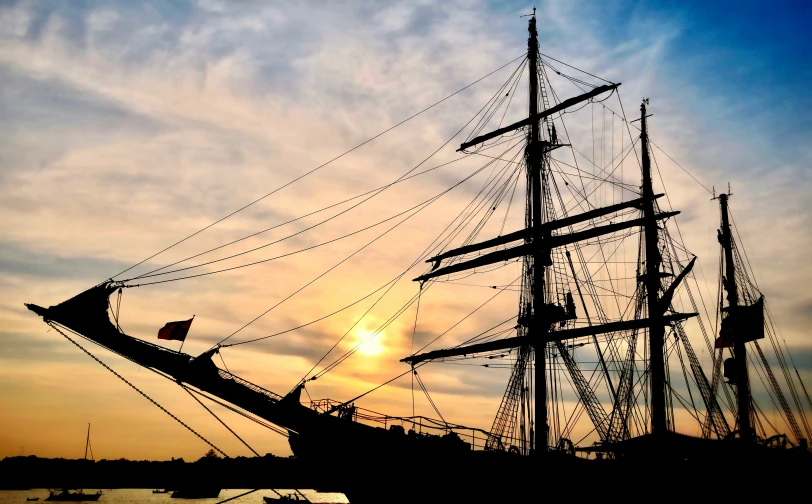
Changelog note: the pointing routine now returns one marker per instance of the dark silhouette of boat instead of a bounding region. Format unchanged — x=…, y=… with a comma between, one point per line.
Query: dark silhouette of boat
x=196, y=493
x=66, y=495
x=290, y=497
x=32, y=499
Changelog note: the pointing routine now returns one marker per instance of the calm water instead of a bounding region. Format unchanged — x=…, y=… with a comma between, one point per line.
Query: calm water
x=137, y=495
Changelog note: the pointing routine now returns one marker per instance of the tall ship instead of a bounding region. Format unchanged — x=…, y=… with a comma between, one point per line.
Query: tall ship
x=606, y=392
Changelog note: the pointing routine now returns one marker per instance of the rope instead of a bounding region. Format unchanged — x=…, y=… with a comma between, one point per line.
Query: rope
x=218, y=418
x=379, y=236
x=243, y=414
x=237, y=496
x=320, y=166
x=53, y=325
x=425, y=252
x=414, y=333
x=352, y=233
x=290, y=221
x=431, y=401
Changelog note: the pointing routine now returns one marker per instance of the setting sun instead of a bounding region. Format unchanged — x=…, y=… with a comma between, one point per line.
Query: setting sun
x=371, y=343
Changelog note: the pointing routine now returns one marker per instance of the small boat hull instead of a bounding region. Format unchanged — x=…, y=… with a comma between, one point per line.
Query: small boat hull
x=196, y=493
x=73, y=497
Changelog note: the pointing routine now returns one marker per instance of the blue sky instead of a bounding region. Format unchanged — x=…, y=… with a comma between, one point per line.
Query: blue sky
x=124, y=125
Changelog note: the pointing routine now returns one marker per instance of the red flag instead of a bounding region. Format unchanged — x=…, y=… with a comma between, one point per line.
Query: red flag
x=175, y=330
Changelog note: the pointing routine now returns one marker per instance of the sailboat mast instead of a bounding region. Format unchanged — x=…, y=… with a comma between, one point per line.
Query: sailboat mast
x=656, y=329
x=534, y=167
x=739, y=350
x=87, y=441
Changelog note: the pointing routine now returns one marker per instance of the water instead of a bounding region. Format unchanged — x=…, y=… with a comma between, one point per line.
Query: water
x=145, y=495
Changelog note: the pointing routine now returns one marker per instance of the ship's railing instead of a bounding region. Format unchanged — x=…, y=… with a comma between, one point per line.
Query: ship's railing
x=246, y=383
x=421, y=425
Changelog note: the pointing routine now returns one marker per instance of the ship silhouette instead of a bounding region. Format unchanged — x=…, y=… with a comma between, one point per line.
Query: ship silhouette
x=572, y=307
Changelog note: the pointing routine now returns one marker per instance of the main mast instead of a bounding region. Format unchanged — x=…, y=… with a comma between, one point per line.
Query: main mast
x=739, y=350
x=651, y=281
x=534, y=166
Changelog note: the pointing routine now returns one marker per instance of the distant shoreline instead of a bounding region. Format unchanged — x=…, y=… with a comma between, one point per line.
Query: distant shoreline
x=269, y=471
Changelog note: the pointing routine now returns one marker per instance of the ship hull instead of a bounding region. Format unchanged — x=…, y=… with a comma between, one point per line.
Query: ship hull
x=645, y=465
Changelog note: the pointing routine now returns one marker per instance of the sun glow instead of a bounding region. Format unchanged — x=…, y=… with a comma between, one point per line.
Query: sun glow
x=371, y=344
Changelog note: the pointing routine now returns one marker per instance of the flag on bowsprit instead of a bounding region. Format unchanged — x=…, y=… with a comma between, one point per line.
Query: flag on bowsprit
x=175, y=330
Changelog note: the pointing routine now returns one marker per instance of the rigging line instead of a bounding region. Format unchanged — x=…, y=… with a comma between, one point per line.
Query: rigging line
x=383, y=188
x=414, y=333
x=317, y=278
x=603, y=168
x=492, y=102
x=53, y=325
x=681, y=167
x=495, y=105
x=431, y=401
x=510, y=203
x=378, y=386
x=380, y=236
x=146, y=275
x=352, y=351
x=426, y=202
x=512, y=94
x=149, y=273
x=257, y=421
x=238, y=496
x=567, y=133
x=484, y=334
x=628, y=129
x=340, y=360
x=224, y=361
x=217, y=418
x=451, y=282
x=422, y=206
x=321, y=166
x=618, y=181
x=574, y=68
x=326, y=316
x=316, y=320
x=416, y=314
x=468, y=315
x=586, y=195
x=490, y=200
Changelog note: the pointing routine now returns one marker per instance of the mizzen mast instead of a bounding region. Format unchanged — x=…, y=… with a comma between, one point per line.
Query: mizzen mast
x=739, y=349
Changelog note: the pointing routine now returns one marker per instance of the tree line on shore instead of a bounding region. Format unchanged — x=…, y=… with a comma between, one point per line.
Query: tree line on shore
x=268, y=471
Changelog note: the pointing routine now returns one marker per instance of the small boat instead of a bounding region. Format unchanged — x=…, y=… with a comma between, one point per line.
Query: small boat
x=291, y=497
x=67, y=496
x=196, y=493
x=31, y=499
x=161, y=491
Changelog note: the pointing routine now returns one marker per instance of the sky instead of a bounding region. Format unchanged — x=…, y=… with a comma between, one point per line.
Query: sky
x=127, y=125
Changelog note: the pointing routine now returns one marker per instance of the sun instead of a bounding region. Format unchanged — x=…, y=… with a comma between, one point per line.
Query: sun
x=371, y=344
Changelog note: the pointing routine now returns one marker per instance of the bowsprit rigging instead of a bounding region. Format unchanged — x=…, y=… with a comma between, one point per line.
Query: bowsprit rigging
x=602, y=375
